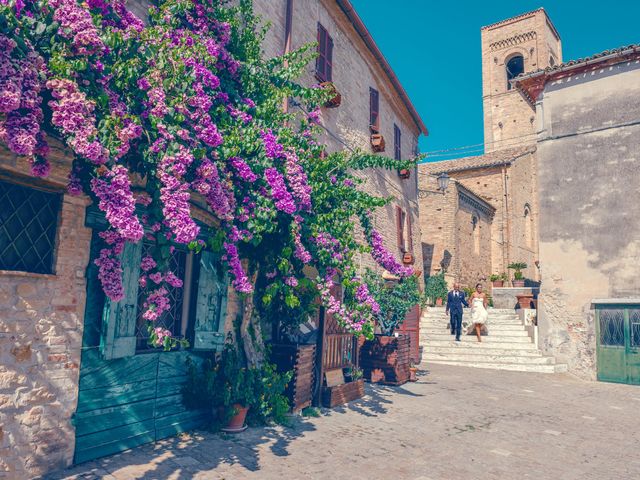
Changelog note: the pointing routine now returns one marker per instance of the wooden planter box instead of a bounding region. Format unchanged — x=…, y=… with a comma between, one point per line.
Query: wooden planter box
x=341, y=394
x=386, y=359
x=300, y=359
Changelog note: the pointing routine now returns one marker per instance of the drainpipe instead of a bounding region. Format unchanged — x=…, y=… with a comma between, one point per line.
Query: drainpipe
x=287, y=43
x=506, y=220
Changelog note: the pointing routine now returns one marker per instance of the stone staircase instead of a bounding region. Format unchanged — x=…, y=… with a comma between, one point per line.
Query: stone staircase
x=507, y=347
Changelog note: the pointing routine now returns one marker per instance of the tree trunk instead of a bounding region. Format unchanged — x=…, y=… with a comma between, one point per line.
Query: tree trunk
x=250, y=330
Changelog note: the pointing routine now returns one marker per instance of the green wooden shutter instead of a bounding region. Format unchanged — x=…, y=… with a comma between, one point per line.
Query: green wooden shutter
x=211, y=304
x=118, y=334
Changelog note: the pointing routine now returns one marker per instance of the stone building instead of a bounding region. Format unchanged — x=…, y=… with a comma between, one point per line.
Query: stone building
x=505, y=177
x=74, y=386
x=373, y=100
x=588, y=153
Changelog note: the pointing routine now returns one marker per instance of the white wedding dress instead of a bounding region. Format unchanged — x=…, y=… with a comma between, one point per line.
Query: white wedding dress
x=479, y=315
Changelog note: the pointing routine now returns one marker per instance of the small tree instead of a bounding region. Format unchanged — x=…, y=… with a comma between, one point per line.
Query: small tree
x=394, y=299
x=517, y=267
x=436, y=287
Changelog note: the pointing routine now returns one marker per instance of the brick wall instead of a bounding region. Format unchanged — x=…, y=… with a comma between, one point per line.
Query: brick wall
x=41, y=319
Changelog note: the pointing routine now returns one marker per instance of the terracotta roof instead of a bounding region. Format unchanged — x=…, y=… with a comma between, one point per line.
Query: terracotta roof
x=499, y=157
x=360, y=27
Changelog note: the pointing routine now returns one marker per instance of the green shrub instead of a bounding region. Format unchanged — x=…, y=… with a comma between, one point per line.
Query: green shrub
x=436, y=288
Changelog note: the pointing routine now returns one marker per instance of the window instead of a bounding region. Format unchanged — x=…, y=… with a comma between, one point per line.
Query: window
x=475, y=225
x=404, y=233
x=515, y=66
x=397, y=141
x=374, y=109
x=324, y=62
x=552, y=61
x=175, y=320
x=528, y=236
x=28, y=225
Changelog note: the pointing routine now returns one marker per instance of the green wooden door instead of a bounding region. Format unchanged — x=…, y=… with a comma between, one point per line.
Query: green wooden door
x=128, y=397
x=618, y=343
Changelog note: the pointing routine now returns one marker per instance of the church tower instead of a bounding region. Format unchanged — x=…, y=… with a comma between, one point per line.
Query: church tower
x=517, y=45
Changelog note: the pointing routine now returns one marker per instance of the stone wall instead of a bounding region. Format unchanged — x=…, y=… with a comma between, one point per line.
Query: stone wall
x=508, y=119
x=355, y=70
x=41, y=319
x=588, y=149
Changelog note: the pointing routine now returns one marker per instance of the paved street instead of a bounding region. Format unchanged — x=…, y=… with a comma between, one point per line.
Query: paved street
x=456, y=423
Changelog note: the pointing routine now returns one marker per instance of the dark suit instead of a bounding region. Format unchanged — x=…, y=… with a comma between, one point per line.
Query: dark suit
x=455, y=301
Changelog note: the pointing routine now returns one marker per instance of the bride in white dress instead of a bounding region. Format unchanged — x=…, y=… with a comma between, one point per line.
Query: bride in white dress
x=479, y=312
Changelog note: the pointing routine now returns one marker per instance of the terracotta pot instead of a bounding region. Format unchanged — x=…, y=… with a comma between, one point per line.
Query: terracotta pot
x=407, y=258
x=336, y=99
x=517, y=283
x=525, y=300
x=438, y=302
x=413, y=374
x=377, y=142
x=498, y=283
x=235, y=423
x=404, y=173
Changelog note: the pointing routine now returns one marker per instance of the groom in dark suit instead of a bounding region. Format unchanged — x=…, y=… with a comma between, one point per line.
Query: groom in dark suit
x=455, y=300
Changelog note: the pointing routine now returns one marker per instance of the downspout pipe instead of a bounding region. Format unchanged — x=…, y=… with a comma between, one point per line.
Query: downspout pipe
x=288, y=26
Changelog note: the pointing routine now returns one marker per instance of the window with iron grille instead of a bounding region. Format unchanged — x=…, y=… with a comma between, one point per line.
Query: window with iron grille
x=374, y=109
x=324, y=62
x=175, y=318
x=28, y=227
x=397, y=140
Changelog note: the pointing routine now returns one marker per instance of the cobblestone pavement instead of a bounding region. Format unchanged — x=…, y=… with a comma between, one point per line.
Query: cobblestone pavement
x=456, y=423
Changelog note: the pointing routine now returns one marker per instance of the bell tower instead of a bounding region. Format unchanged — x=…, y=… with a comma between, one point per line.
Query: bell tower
x=521, y=44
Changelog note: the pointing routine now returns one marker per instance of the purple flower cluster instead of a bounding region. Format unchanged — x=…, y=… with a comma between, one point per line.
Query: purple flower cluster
x=174, y=195
x=280, y=194
x=73, y=115
x=384, y=258
x=298, y=182
x=77, y=25
x=243, y=169
x=272, y=148
x=218, y=194
x=148, y=263
x=364, y=297
x=353, y=320
x=159, y=334
x=240, y=281
x=113, y=190
x=300, y=252
x=156, y=304
x=109, y=266
x=291, y=281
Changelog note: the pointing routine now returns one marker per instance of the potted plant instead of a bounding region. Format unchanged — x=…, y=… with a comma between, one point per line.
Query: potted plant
x=407, y=258
x=436, y=289
x=413, y=373
x=497, y=280
x=518, y=277
x=385, y=358
x=335, y=99
x=377, y=142
x=404, y=173
x=524, y=300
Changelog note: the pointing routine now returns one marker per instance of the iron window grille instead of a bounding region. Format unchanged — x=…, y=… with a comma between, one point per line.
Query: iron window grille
x=28, y=227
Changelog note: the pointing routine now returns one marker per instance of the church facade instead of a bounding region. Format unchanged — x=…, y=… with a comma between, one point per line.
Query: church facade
x=505, y=177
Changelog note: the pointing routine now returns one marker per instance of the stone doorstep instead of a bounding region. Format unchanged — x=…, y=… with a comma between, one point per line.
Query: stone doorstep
x=558, y=368
x=472, y=357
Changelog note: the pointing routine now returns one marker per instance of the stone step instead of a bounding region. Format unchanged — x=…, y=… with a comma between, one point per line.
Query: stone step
x=441, y=327
x=474, y=357
x=441, y=310
x=464, y=348
x=558, y=368
x=484, y=344
x=524, y=338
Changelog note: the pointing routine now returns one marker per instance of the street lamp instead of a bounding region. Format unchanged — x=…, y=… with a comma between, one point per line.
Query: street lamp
x=443, y=183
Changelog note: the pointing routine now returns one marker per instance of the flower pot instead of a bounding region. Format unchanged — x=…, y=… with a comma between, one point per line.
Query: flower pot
x=407, y=258
x=336, y=98
x=517, y=283
x=386, y=359
x=236, y=423
x=413, y=377
x=524, y=300
x=377, y=142
x=498, y=283
x=438, y=302
x=341, y=394
x=404, y=173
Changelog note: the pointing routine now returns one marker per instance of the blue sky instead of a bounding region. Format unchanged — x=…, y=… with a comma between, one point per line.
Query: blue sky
x=434, y=48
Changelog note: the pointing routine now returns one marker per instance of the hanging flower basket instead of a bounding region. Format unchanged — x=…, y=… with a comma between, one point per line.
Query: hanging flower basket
x=377, y=142
x=408, y=258
x=336, y=98
x=404, y=173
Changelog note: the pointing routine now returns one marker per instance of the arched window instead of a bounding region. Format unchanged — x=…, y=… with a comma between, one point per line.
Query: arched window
x=475, y=225
x=515, y=66
x=528, y=230
x=552, y=61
